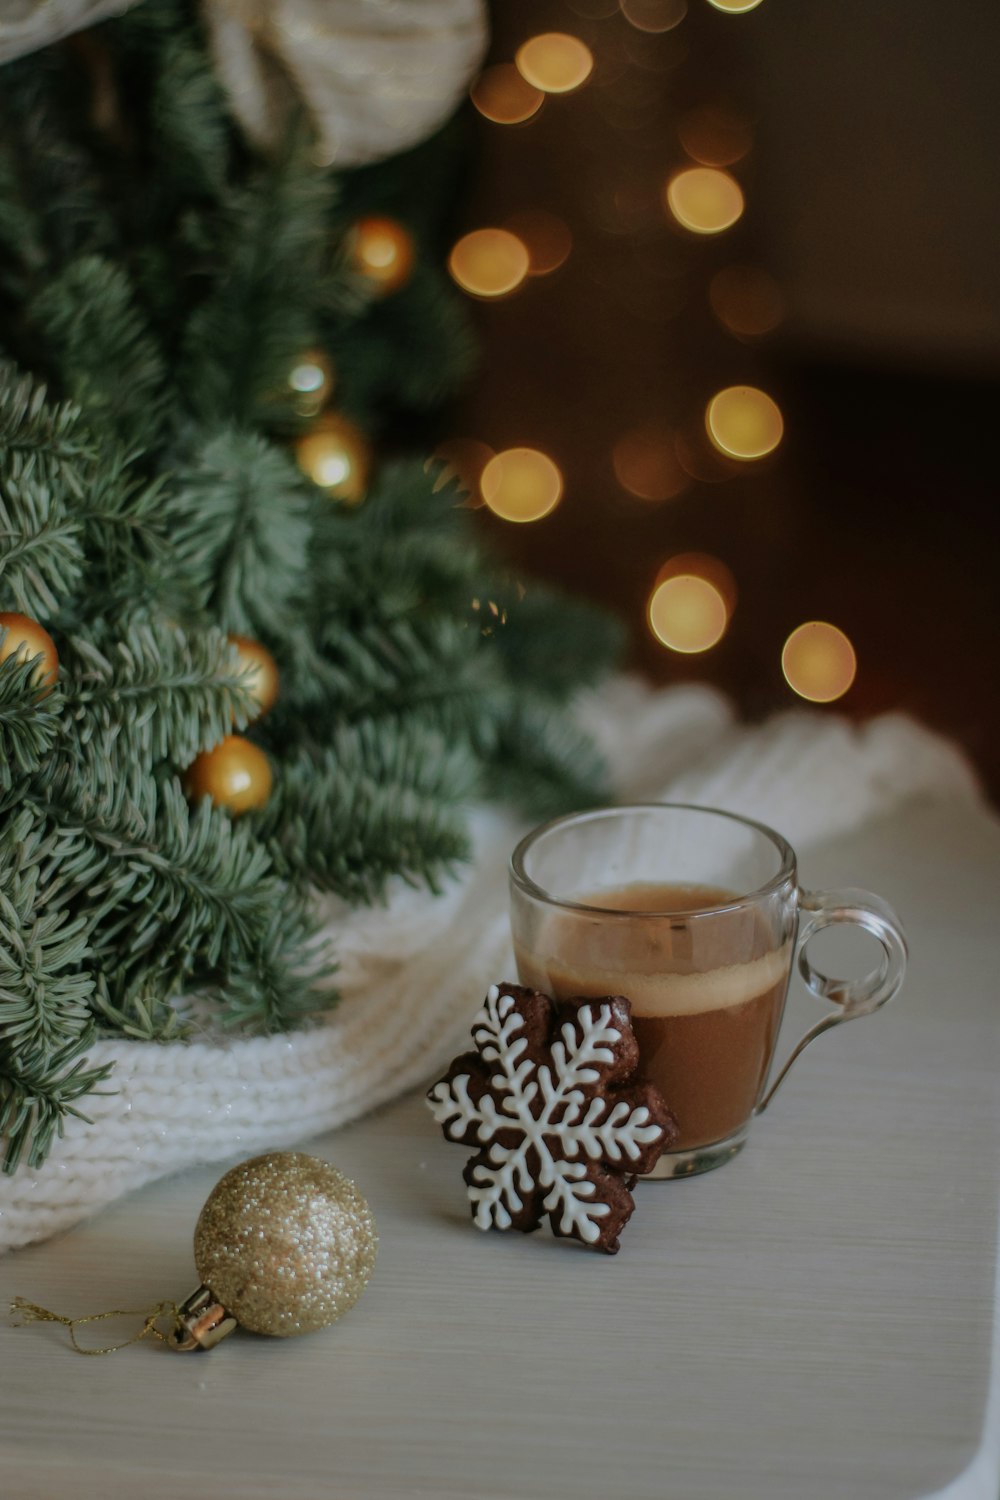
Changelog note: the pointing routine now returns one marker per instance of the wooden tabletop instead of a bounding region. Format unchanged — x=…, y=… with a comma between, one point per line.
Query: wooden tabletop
x=813, y=1321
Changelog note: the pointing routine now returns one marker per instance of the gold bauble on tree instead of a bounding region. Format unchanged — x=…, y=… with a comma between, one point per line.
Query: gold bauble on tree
x=285, y=1245
x=261, y=670
x=382, y=251
x=336, y=456
x=311, y=381
x=235, y=773
x=24, y=639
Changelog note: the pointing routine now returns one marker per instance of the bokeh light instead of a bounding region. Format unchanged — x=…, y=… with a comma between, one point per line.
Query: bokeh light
x=555, y=62
x=502, y=95
x=687, y=613
x=819, y=662
x=704, y=199
x=703, y=565
x=462, y=461
x=646, y=464
x=654, y=15
x=521, y=484
x=547, y=239
x=735, y=7
x=744, y=422
x=489, y=262
x=311, y=382
x=746, y=300
x=715, y=136
x=382, y=251
x=336, y=456
x=310, y=373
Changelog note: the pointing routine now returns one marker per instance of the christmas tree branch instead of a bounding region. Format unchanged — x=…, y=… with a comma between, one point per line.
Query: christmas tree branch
x=167, y=692
x=379, y=801
x=239, y=522
x=111, y=365
x=41, y=552
x=260, y=313
x=37, y=1092
x=29, y=720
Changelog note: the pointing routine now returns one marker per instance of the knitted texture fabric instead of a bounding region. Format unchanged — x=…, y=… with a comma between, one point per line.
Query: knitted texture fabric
x=412, y=973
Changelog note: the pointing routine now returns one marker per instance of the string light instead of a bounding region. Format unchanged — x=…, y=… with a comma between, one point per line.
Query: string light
x=654, y=15
x=746, y=300
x=502, y=95
x=547, y=239
x=521, y=484
x=735, y=7
x=646, y=464
x=819, y=662
x=489, y=262
x=687, y=614
x=704, y=199
x=555, y=62
x=744, y=422
x=714, y=136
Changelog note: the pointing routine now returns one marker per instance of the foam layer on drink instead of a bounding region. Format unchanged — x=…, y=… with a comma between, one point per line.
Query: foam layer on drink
x=664, y=994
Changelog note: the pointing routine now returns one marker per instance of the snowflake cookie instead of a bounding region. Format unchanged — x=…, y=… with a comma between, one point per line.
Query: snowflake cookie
x=550, y=1099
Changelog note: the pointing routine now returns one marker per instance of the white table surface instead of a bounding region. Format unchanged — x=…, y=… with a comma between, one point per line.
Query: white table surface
x=814, y=1320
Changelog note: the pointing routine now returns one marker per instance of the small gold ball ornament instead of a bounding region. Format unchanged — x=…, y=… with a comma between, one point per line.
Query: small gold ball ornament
x=311, y=382
x=235, y=773
x=24, y=639
x=381, y=251
x=261, y=670
x=286, y=1244
x=336, y=456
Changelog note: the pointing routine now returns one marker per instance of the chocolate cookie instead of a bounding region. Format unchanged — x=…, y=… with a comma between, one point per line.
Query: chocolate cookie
x=550, y=1099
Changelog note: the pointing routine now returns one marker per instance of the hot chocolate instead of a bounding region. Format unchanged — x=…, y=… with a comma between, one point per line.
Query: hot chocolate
x=707, y=996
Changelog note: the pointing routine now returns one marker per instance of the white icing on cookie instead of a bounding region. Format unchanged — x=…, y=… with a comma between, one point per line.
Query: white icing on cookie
x=596, y=1129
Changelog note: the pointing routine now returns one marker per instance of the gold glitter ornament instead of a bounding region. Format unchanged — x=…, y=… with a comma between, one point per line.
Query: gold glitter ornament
x=285, y=1244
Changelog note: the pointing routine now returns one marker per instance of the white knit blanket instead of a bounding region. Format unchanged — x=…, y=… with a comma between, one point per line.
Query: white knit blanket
x=412, y=974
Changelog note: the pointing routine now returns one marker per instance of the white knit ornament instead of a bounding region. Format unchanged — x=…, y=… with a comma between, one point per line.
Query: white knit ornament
x=376, y=76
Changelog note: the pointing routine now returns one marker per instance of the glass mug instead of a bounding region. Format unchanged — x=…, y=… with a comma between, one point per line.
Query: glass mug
x=695, y=915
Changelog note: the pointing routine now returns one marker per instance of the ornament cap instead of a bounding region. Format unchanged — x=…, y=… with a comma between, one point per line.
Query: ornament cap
x=201, y=1323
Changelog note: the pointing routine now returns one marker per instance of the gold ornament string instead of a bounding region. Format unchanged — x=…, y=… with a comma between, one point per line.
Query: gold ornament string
x=30, y=1312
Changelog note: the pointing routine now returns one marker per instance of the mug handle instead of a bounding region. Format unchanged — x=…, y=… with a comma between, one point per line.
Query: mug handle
x=852, y=997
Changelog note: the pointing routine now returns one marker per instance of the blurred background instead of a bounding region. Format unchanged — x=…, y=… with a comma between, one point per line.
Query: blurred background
x=733, y=267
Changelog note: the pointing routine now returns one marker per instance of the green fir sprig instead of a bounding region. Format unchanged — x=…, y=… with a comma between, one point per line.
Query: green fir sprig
x=158, y=278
